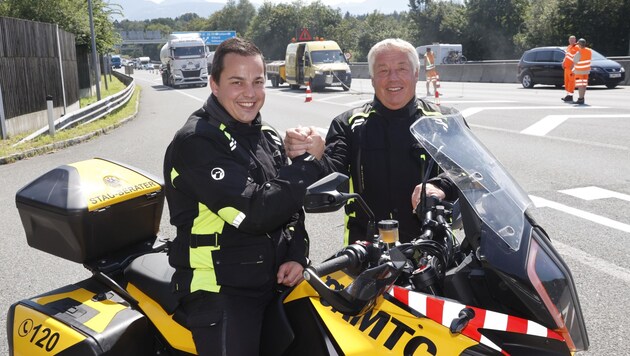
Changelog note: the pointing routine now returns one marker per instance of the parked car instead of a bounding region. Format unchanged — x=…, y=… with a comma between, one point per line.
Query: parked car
x=543, y=65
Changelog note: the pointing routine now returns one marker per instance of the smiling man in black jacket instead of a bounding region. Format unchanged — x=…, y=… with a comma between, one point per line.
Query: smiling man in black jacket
x=237, y=206
x=373, y=145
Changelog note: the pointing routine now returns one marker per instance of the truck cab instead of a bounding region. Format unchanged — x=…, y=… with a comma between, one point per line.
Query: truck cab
x=320, y=63
x=184, y=61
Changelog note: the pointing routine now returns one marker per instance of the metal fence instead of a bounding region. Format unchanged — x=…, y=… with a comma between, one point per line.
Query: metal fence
x=91, y=112
x=36, y=60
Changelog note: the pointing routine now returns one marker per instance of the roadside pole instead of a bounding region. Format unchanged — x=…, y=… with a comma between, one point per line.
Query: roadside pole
x=3, y=126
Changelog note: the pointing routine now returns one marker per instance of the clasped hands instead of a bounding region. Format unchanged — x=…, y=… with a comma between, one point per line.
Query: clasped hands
x=301, y=140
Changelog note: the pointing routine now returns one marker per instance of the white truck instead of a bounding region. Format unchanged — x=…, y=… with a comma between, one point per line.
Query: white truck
x=184, y=61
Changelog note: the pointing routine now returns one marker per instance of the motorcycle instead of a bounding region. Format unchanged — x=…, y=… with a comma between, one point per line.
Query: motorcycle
x=482, y=279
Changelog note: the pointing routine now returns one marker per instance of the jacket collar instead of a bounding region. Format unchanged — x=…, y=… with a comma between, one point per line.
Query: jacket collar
x=405, y=112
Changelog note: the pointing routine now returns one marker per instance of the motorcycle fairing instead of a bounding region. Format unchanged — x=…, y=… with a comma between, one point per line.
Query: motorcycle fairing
x=179, y=337
x=83, y=319
x=388, y=329
x=445, y=311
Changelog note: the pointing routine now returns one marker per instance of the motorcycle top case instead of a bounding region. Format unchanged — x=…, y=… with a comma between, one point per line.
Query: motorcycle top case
x=90, y=209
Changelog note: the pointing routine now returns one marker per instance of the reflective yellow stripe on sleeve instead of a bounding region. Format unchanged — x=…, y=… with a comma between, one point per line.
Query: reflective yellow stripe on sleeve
x=233, y=216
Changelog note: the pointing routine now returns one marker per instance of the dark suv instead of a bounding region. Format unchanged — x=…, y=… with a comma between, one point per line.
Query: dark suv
x=543, y=65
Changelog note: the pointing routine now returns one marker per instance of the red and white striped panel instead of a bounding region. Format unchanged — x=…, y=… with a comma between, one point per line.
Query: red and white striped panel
x=444, y=311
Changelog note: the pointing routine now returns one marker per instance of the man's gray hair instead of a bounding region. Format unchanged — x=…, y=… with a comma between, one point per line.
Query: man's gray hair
x=393, y=43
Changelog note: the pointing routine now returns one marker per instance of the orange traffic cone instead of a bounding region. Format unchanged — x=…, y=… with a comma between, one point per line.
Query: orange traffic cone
x=437, y=97
x=309, y=98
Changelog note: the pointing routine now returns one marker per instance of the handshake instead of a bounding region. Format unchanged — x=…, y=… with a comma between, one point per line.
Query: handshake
x=301, y=140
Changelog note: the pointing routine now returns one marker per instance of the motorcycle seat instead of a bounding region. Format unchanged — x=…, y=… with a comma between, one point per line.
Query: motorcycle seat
x=151, y=273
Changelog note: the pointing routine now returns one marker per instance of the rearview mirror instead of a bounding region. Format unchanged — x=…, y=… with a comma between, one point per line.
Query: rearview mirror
x=323, y=196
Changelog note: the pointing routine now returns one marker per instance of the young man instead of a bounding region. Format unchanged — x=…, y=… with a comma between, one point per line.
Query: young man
x=581, y=69
x=373, y=144
x=567, y=65
x=224, y=170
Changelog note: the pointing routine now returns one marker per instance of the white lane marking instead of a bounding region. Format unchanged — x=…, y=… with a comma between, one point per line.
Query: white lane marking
x=580, y=256
x=557, y=138
x=541, y=202
x=332, y=97
x=545, y=125
x=474, y=110
x=611, y=269
x=179, y=91
x=594, y=193
x=550, y=122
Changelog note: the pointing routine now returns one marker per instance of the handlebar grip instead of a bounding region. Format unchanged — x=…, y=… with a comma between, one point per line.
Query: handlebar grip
x=333, y=265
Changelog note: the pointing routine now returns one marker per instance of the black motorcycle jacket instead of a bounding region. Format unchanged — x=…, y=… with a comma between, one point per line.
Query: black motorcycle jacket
x=374, y=146
x=236, y=204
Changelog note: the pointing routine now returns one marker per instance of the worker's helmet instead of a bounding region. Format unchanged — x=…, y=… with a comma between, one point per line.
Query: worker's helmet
x=582, y=41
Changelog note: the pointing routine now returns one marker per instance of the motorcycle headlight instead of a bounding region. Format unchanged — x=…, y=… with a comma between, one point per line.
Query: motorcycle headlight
x=553, y=282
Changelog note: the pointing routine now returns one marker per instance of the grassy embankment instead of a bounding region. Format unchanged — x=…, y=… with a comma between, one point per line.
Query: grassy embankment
x=42, y=143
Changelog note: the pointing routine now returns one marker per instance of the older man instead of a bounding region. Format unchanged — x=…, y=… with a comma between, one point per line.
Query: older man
x=372, y=144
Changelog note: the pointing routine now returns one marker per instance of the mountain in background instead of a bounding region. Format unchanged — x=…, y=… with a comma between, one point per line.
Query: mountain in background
x=137, y=10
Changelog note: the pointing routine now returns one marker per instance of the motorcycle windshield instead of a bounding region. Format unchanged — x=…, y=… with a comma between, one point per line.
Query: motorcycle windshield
x=494, y=195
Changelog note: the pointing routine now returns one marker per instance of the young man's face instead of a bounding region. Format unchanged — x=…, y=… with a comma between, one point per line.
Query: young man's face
x=241, y=88
x=394, y=78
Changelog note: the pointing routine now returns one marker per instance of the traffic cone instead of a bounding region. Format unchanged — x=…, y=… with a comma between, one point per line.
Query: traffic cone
x=309, y=98
x=437, y=97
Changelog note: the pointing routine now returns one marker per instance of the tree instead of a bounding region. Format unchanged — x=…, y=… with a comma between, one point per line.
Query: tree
x=273, y=27
x=233, y=16
x=492, y=26
x=72, y=16
x=375, y=28
x=440, y=21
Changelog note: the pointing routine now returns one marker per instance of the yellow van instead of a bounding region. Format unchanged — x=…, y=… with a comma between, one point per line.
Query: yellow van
x=321, y=63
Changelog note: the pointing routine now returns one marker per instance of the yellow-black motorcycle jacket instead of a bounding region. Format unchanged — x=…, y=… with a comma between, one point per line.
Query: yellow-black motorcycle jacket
x=374, y=146
x=236, y=204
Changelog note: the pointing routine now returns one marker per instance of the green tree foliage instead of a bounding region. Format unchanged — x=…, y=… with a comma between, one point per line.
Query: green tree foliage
x=232, y=16
x=272, y=28
x=72, y=16
x=437, y=21
x=492, y=25
x=376, y=27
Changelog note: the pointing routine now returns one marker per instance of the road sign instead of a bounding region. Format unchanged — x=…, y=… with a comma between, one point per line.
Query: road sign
x=305, y=35
x=214, y=38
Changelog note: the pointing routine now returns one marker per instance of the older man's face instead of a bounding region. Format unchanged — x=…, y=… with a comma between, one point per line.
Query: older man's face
x=394, y=78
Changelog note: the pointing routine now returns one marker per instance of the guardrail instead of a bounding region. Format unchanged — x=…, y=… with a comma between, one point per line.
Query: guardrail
x=91, y=112
x=497, y=71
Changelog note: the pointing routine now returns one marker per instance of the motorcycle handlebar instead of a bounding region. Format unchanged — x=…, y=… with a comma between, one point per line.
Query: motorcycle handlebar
x=333, y=265
x=350, y=257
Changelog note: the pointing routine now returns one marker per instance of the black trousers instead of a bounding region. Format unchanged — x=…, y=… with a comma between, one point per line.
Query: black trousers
x=225, y=325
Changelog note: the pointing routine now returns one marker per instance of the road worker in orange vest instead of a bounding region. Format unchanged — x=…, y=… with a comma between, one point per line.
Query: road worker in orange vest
x=581, y=69
x=431, y=73
x=567, y=65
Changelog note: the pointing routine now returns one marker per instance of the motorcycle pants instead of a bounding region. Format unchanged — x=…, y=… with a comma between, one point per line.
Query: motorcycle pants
x=225, y=325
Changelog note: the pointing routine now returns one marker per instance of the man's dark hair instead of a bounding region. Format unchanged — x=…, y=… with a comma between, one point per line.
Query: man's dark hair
x=233, y=45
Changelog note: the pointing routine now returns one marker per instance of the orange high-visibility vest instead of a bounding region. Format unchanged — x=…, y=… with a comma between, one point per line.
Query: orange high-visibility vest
x=582, y=61
x=429, y=61
x=568, y=55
